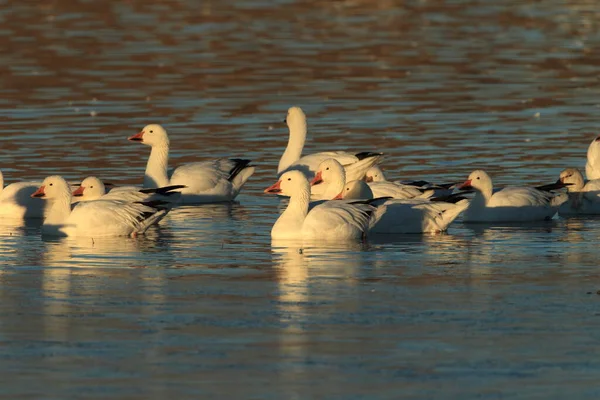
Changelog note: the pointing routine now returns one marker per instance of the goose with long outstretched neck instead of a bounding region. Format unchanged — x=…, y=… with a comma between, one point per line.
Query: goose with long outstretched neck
x=584, y=197
x=510, y=204
x=332, y=177
x=92, y=188
x=332, y=220
x=375, y=175
x=406, y=216
x=96, y=218
x=212, y=181
x=16, y=201
x=355, y=164
x=592, y=166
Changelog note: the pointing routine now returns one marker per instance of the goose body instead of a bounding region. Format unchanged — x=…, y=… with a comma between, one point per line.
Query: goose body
x=584, y=197
x=92, y=188
x=406, y=216
x=511, y=204
x=16, y=201
x=355, y=164
x=96, y=218
x=382, y=187
x=336, y=221
x=213, y=181
x=592, y=166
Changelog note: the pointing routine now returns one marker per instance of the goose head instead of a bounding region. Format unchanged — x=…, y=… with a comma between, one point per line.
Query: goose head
x=53, y=187
x=151, y=135
x=290, y=184
x=330, y=171
x=91, y=188
x=480, y=181
x=355, y=190
x=573, y=177
x=374, y=174
x=295, y=118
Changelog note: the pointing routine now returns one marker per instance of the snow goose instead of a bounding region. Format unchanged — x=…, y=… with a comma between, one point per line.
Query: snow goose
x=331, y=175
x=584, y=197
x=16, y=201
x=406, y=216
x=375, y=174
x=97, y=218
x=592, y=166
x=330, y=220
x=511, y=204
x=356, y=165
x=92, y=188
x=214, y=181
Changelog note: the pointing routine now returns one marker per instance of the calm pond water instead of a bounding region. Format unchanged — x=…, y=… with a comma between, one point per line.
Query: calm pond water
x=205, y=306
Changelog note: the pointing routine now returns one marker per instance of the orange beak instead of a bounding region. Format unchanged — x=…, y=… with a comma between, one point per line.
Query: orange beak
x=368, y=179
x=317, y=179
x=466, y=185
x=79, y=191
x=275, y=188
x=138, y=137
x=39, y=193
x=339, y=196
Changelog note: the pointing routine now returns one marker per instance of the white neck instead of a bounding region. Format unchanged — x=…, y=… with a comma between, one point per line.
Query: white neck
x=290, y=221
x=335, y=186
x=1, y=181
x=156, y=169
x=293, y=151
x=59, y=210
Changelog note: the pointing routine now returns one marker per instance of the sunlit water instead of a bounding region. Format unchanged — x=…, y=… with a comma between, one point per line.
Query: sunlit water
x=205, y=306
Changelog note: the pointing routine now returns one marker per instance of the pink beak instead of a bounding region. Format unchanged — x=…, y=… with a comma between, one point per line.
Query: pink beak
x=275, y=188
x=79, y=191
x=138, y=137
x=465, y=185
x=317, y=179
x=40, y=192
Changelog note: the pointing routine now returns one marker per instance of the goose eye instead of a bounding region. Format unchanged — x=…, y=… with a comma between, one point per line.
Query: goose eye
x=50, y=184
x=347, y=189
x=289, y=179
x=91, y=187
x=477, y=177
x=327, y=168
x=151, y=131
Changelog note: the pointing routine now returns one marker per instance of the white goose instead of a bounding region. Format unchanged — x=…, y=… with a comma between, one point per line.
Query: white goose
x=406, y=216
x=511, y=204
x=592, y=167
x=330, y=220
x=356, y=165
x=92, y=188
x=332, y=177
x=97, y=218
x=16, y=202
x=212, y=181
x=375, y=175
x=584, y=197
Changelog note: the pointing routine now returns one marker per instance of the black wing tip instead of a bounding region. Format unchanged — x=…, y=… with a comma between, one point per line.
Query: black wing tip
x=240, y=165
x=165, y=190
x=366, y=154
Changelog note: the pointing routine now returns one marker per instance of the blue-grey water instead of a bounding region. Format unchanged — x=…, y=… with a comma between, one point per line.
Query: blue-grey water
x=205, y=306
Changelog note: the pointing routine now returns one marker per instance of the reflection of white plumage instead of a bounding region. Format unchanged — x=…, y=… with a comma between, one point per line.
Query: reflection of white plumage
x=92, y=188
x=211, y=181
x=584, y=197
x=16, y=201
x=406, y=216
x=592, y=166
x=93, y=218
x=330, y=220
x=511, y=204
x=355, y=165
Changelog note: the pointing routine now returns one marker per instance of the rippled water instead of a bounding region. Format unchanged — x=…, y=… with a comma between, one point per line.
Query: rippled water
x=205, y=305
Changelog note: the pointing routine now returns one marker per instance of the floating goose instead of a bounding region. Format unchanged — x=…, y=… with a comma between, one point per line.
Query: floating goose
x=584, y=197
x=96, y=218
x=92, y=188
x=212, y=181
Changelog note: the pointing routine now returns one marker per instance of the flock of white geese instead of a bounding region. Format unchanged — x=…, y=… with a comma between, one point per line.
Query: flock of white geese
x=332, y=195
